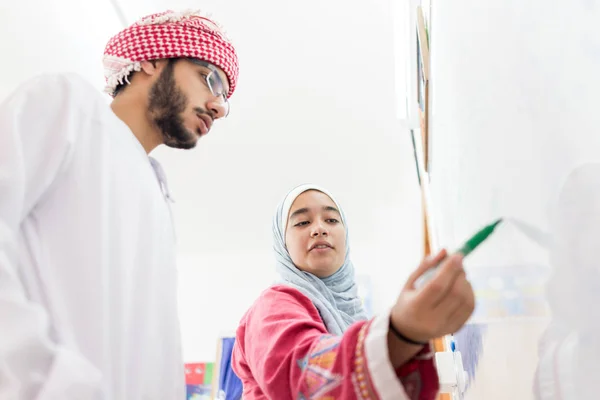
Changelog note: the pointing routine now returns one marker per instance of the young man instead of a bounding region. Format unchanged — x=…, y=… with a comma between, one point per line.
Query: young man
x=87, y=258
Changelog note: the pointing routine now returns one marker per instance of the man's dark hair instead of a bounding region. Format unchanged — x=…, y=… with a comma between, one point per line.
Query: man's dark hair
x=121, y=86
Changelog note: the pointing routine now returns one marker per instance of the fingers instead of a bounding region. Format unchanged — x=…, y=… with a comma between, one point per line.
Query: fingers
x=454, y=300
x=442, y=305
x=458, y=320
x=426, y=264
x=447, y=308
x=463, y=296
x=437, y=289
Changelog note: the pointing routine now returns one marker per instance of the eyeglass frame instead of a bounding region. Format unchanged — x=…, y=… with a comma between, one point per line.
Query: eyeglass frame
x=213, y=70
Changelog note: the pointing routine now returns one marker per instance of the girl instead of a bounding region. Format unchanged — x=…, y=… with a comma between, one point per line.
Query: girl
x=309, y=338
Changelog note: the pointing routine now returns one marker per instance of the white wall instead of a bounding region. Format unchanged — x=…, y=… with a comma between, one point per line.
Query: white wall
x=63, y=35
x=313, y=104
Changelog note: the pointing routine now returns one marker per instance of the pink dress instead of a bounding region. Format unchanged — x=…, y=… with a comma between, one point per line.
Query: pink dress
x=283, y=351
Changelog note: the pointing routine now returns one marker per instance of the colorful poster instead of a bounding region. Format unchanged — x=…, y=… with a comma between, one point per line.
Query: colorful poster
x=198, y=377
x=509, y=291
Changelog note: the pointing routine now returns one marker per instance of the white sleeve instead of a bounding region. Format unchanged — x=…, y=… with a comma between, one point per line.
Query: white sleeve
x=37, y=128
x=378, y=360
x=390, y=383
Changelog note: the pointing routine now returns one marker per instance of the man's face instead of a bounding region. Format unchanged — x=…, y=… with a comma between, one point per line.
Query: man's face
x=182, y=105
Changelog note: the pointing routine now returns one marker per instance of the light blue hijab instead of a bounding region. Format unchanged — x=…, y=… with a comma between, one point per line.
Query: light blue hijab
x=335, y=297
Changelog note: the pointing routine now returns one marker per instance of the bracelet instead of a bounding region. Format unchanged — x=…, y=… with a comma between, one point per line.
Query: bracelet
x=404, y=338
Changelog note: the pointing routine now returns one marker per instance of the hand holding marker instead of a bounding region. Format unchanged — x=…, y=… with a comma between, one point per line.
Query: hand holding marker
x=465, y=250
x=438, y=309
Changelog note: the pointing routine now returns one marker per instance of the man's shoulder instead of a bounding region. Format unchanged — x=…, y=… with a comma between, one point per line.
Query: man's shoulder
x=58, y=85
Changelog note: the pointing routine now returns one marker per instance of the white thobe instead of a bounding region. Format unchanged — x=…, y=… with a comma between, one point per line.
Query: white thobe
x=88, y=302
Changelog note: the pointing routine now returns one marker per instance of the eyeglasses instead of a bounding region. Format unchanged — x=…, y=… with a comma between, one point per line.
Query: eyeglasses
x=214, y=82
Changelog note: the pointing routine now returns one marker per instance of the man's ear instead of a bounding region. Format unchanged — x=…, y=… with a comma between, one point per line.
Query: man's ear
x=149, y=67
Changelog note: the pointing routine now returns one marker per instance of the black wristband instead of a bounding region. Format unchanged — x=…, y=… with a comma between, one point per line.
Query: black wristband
x=404, y=338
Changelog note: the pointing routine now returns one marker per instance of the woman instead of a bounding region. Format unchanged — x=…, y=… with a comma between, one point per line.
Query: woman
x=308, y=337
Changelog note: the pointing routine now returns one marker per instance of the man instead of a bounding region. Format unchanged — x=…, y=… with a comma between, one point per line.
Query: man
x=87, y=258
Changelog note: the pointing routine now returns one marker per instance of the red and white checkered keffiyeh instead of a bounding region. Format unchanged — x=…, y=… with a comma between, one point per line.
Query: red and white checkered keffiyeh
x=168, y=35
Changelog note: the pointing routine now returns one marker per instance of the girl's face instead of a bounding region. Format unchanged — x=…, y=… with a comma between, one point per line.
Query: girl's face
x=315, y=235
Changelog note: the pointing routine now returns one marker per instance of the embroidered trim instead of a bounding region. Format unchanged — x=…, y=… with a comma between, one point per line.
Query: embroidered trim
x=317, y=365
x=360, y=378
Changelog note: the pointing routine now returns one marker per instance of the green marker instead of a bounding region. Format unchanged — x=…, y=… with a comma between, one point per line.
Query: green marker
x=466, y=249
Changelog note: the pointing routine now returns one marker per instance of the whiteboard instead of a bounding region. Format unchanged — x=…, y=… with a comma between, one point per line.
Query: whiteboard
x=513, y=127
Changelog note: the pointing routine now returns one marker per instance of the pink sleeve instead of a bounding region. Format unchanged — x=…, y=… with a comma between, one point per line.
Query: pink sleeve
x=284, y=351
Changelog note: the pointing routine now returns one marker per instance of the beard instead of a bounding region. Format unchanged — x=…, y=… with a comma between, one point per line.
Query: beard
x=167, y=103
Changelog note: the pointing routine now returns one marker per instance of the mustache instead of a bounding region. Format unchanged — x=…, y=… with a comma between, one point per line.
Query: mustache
x=200, y=110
